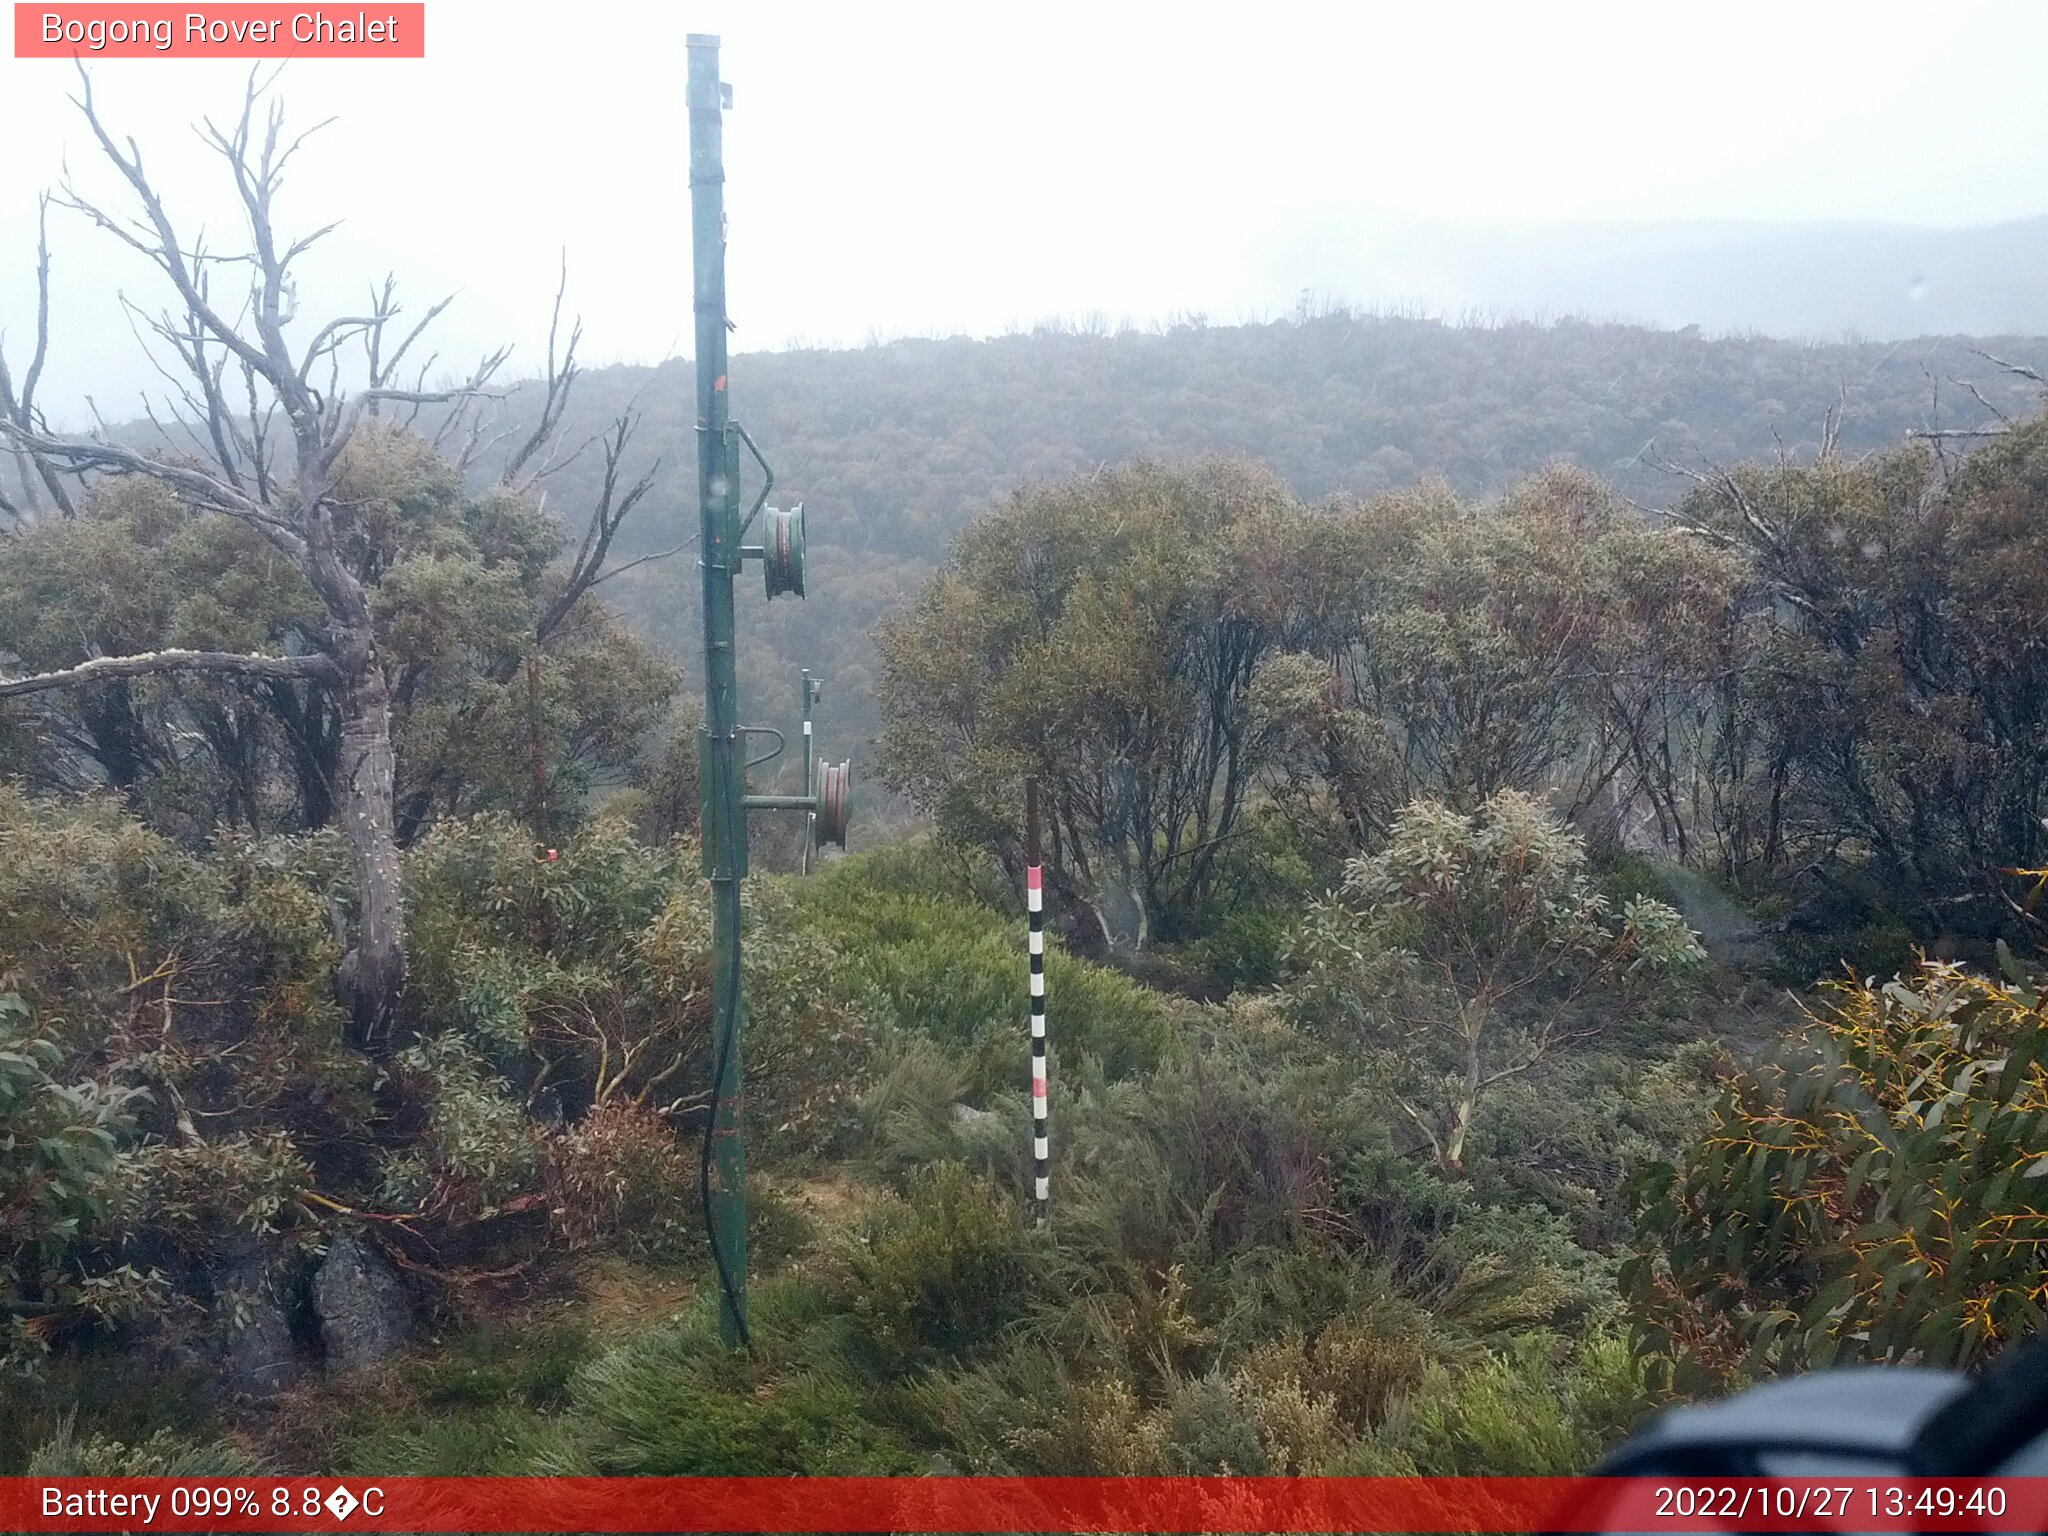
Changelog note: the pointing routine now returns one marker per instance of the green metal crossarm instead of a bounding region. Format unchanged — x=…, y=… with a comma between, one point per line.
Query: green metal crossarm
x=781, y=802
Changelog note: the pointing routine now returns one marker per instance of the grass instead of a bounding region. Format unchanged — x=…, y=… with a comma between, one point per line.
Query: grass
x=100, y=1392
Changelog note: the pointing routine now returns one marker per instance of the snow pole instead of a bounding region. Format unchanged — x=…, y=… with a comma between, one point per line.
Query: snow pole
x=1034, y=903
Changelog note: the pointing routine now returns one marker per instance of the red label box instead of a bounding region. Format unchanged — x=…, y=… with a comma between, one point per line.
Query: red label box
x=377, y=30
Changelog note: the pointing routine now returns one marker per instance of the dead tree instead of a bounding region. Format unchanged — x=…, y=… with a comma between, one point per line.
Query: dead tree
x=262, y=424
x=18, y=402
x=268, y=421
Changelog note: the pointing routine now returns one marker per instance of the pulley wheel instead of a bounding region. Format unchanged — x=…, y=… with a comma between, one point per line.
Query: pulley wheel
x=834, y=782
x=782, y=562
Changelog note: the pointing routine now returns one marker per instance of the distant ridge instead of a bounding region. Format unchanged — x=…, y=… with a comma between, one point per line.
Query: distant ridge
x=1813, y=281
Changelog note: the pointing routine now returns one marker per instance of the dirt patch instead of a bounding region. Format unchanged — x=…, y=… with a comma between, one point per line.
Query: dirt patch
x=298, y=1430
x=830, y=1197
x=625, y=1297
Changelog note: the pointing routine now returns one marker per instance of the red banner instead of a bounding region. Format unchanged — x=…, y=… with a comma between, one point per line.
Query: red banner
x=971, y=1504
x=226, y=31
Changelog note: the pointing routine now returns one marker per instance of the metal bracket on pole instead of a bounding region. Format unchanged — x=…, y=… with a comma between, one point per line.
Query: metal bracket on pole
x=772, y=753
x=767, y=479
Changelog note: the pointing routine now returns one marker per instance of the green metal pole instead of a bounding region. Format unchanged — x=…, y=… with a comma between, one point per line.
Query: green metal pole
x=724, y=817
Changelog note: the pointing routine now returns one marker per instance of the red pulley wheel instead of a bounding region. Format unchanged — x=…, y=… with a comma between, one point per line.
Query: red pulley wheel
x=834, y=781
x=782, y=562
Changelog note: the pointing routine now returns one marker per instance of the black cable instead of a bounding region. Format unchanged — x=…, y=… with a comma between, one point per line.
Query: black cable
x=726, y=1283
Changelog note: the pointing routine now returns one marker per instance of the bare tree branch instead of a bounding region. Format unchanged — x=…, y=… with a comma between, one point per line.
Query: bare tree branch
x=159, y=663
x=294, y=506
x=2016, y=368
x=1978, y=394
x=208, y=491
x=20, y=409
x=640, y=560
x=606, y=518
x=555, y=397
x=381, y=375
x=165, y=250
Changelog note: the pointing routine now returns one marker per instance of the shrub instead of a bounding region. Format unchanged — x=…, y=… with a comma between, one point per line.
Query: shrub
x=1569, y=1135
x=476, y=1152
x=1280, y=860
x=1535, y=1408
x=953, y=971
x=942, y=1270
x=1471, y=948
x=163, y=1454
x=680, y=1402
x=589, y=978
x=1365, y=1362
x=58, y=1167
x=918, y=865
x=1031, y=1409
x=620, y=1177
x=1211, y=1430
x=194, y=1193
x=107, y=927
x=1293, y=1414
x=908, y=1116
x=1880, y=1198
x=1206, y=1157
x=86, y=893
x=1500, y=1418
x=198, y=993
x=528, y=954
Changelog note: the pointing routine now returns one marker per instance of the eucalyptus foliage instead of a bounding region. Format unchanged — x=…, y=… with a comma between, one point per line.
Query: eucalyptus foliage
x=458, y=583
x=1882, y=1195
x=59, y=1163
x=1469, y=949
x=1107, y=636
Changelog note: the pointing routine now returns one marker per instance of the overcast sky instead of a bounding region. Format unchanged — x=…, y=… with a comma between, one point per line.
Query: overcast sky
x=900, y=169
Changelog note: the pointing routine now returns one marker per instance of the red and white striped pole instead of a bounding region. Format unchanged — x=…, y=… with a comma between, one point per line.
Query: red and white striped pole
x=1034, y=903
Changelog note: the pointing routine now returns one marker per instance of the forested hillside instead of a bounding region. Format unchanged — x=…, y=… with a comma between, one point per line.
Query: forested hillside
x=1531, y=936
x=895, y=447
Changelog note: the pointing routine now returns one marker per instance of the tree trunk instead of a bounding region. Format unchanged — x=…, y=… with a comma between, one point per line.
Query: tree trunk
x=120, y=743
x=373, y=973
x=312, y=747
x=1461, y=1124
x=1465, y=1101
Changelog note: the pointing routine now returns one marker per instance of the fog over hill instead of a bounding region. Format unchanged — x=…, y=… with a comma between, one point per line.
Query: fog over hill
x=894, y=448
x=1881, y=281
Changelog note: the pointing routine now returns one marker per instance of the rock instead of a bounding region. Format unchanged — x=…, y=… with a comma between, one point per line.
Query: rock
x=365, y=1313
x=969, y=1119
x=257, y=1356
